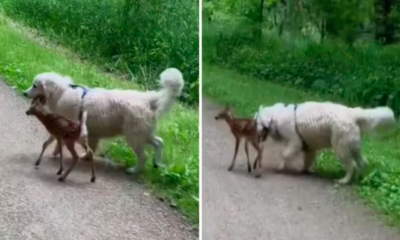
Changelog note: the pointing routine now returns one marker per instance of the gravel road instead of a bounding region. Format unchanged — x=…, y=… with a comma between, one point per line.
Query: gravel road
x=34, y=205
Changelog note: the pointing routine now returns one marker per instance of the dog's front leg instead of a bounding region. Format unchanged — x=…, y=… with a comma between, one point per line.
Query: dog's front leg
x=291, y=150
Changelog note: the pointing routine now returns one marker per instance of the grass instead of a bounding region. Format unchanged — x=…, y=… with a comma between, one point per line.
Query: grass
x=136, y=37
x=22, y=57
x=380, y=185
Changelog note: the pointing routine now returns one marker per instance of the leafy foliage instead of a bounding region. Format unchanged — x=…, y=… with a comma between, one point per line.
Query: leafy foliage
x=140, y=38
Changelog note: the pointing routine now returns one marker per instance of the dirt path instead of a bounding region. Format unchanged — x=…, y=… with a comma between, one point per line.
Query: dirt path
x=34, y=205
x=236, y=206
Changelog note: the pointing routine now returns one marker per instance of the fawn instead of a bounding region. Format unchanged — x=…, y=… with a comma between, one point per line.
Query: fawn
x=243, y=128
x=64, y=130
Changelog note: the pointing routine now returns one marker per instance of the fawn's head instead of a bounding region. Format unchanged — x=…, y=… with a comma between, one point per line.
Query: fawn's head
x=36, y=105
x=225, y=114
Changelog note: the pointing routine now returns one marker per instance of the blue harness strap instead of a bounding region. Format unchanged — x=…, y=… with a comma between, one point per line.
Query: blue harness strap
x=85, y=90
x=304, y=143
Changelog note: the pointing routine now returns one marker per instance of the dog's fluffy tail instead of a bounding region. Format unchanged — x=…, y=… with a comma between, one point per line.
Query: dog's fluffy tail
x=171, y=81
x=373, y=118
x=84, y=131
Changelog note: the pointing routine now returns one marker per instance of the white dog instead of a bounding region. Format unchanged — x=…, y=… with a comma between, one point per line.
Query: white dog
x=130, y=113
x=312, y=126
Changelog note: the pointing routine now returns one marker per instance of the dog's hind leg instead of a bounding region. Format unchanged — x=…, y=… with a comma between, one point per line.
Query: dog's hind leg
x=141, y=156
x=157, y=144
x=342, y=150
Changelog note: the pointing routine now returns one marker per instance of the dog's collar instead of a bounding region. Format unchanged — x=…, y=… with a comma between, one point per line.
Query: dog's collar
x=85, y=90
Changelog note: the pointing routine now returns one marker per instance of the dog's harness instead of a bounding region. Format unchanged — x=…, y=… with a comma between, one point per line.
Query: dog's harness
x=85, y=91
x=304, y=144
x=278, y=135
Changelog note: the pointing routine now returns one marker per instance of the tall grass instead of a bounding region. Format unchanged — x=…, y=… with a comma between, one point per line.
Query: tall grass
x=366, y=73
x=135, y=36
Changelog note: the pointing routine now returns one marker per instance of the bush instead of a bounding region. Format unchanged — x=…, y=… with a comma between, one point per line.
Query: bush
x=139, y=37
x=366, y=74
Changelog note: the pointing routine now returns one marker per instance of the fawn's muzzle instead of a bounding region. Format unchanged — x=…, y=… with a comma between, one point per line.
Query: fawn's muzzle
x=27, y=112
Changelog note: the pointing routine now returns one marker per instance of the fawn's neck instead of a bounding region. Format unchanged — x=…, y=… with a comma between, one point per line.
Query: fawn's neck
x=41, y=116
x=229, y=120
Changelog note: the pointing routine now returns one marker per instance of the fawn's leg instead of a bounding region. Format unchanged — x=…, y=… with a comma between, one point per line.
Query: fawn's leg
x=261, y=151
x=89, y=154
x=57, y=150
x=236, y=150
x=259, y=156
x=45, y=145
x=93, y=143
x=246, y=149
x=256, y=146
x=59, y=144
x=257, y=160
x=75, y=158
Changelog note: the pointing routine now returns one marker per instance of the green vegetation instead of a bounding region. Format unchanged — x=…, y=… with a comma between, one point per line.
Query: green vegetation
x=380, y=185
x=139, y=38
x=341, y=58
x=22, y=57
x=342, y=50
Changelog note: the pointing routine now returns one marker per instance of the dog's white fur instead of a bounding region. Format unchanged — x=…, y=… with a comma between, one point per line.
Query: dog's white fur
x=110, y=113
x=324, y=125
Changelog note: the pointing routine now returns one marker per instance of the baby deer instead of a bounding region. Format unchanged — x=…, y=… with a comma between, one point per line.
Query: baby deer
x=243, y=128
x=64, y=130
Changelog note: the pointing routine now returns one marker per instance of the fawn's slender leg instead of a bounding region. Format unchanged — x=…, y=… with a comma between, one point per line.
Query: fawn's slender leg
x=246, y=149
x=57, y=149
x=236, y=150
x=75, y=158
x=259, y=152
x=259, y=156
x=261, y=149
x=45, y=145
x=59, y=145
x=89, y=154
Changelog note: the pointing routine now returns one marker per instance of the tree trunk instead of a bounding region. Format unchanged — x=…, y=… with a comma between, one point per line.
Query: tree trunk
x=385, y=29
x=261, y=18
